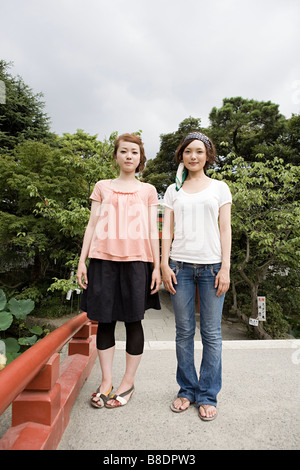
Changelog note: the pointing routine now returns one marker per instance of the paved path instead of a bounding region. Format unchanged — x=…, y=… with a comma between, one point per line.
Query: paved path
x=258, y=405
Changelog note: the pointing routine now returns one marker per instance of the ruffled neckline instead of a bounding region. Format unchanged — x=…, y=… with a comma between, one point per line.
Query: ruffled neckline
x=123, y=192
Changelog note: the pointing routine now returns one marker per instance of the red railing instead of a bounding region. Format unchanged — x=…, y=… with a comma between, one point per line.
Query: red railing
x=42, y=389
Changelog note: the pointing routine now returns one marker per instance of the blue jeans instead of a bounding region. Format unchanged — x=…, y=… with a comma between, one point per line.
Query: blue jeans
x=204, y=390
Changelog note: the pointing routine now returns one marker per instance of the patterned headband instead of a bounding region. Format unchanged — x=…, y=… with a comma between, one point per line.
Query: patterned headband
x=198, y=136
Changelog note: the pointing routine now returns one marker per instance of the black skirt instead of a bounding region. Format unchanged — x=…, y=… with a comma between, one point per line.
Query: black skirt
x=118, y=291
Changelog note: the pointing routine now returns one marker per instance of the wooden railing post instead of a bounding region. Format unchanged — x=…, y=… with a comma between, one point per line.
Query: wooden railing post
x=40, y=401
x=43, y=390
x=81, y=342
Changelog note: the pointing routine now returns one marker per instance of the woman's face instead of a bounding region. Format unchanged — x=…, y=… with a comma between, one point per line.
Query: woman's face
x=128, y=156
x=194, y=156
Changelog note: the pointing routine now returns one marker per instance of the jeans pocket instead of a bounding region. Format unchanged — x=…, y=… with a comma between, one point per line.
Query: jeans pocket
x=215, y=268
x=174, y=267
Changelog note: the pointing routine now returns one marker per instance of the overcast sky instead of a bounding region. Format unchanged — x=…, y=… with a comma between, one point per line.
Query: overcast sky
x=126, y=65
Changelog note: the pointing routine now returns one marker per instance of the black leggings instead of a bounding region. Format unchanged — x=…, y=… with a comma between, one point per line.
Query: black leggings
x=134, y=337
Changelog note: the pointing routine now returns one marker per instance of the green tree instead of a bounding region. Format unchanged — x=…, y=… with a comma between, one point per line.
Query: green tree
x=245, y=124
x=93, y=158
x=266, y=234
x=44, y=207
x=22, y=115
x=292, y=139
x=28, y=243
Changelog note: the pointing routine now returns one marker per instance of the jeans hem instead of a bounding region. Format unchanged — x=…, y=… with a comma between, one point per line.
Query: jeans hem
x=192, y=400
x=205, y=402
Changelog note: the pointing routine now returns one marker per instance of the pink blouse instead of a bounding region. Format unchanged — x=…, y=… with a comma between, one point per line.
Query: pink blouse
x=122, y=231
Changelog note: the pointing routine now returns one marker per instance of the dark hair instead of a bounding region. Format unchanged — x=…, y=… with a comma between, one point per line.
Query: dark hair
x=134, y=139
x=210, y=151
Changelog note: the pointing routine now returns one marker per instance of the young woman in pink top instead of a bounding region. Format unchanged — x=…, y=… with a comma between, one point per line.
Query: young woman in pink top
x=123, y=277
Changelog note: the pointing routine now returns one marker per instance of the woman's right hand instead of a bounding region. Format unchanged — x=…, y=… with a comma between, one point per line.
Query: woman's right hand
x=81, y=275
x=169, y=279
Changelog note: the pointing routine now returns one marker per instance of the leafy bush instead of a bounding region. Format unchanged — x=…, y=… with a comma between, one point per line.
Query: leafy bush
x=12, y=316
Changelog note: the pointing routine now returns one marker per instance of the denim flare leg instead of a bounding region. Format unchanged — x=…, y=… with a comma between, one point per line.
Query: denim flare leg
x=204, y=390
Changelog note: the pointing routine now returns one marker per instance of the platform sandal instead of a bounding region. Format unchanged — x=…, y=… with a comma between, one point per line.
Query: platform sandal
x=119, y=399
x=103, y=398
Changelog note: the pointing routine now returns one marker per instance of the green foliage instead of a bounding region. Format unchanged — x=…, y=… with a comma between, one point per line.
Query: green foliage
x=276, y=325
x=22, y=115
x=244, y=124
x=12, y=312
x=266, y=234
x=44, y=207
x=63, y=285
x=6, y=320
x=17, y=308
x=20, y=308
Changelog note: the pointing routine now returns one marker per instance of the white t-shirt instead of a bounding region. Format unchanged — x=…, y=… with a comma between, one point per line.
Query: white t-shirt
x=197, y=235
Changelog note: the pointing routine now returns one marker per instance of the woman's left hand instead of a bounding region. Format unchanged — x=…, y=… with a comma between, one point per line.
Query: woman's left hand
x=222, y=281
x=156, y=281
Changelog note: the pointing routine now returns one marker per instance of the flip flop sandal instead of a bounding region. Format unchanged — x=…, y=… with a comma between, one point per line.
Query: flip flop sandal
x=119, y=398
x=207, y=418
x=178, y=410
x=103, y=398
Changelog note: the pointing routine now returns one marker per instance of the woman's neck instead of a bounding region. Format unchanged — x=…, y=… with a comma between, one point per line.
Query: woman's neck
x=196, y=182
x=130, y=177
x=196, y=176
x=126, y=181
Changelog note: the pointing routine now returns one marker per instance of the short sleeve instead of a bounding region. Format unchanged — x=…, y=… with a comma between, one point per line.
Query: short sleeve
x=96, y=194
x=152, y=196
x=225, y=196
x=168, y=197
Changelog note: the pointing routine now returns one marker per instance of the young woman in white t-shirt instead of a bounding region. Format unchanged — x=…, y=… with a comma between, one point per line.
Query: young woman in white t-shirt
x=197, y=214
